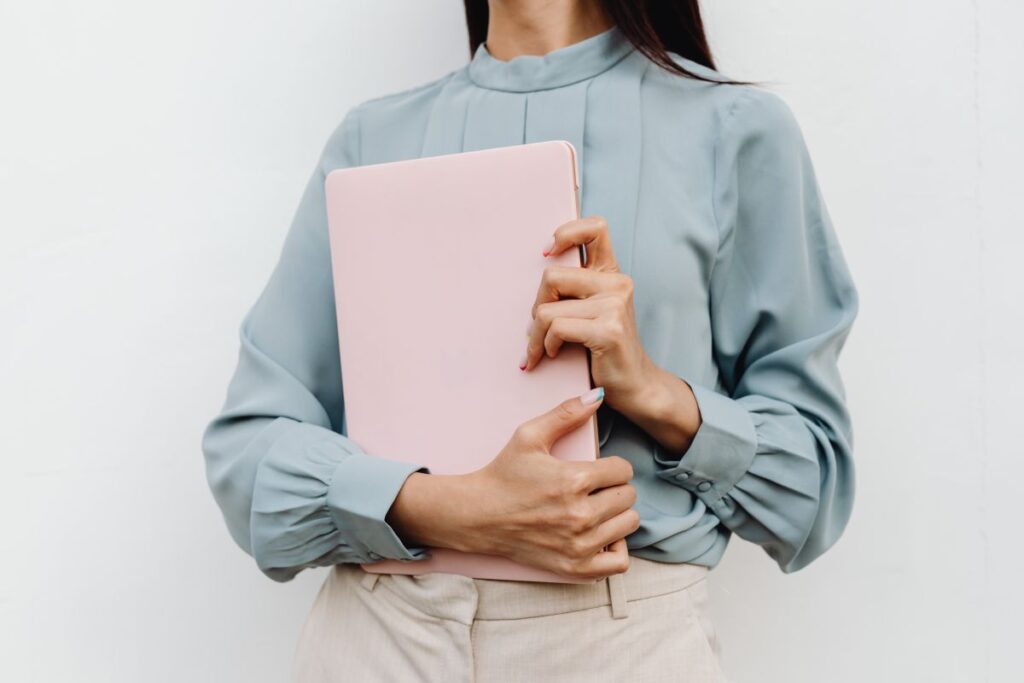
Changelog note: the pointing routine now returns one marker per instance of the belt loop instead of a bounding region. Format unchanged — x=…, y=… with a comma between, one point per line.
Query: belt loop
x=369, y=580
x=617, y=593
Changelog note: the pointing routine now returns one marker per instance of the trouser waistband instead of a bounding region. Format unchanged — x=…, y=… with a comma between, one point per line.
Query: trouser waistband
x=644, y=579
x=498, y=599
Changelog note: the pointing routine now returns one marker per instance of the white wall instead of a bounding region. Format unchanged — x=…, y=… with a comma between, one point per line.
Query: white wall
x=141, y=143
x=912, y=111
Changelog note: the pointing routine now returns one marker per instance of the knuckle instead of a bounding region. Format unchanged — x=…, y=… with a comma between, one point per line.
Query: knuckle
x=564, y=410
x=614, y=328
x=544, y=313
x=624, y=283
x=577, y=481
x=576, y=548
x=525, y=434
x=631, y=493
x=587, y=572
x=566, y=566
x=627, y=466
x=578, y=518
x=634, y=518
x=553, y=494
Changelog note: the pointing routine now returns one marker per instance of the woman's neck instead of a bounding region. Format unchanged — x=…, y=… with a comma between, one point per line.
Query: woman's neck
x=536, y=27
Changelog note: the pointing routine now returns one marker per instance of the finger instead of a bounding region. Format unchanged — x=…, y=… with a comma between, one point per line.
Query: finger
x=546, y=428
x=564, y=282
x=614, y=560
x=538, y=334
x=612, y=500
x=619, y=526
x=590, y=232
x=562, y=330
x=575, y=330
x=608, y=470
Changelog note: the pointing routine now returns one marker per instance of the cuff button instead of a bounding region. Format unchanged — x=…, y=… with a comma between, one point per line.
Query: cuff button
x=373, y=555
x=682, y=476
x=704, y=486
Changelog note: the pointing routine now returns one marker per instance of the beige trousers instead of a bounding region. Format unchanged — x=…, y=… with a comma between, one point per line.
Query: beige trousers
x=649, y=624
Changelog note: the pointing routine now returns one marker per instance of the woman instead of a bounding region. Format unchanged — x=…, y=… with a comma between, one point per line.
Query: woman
x=715, y=301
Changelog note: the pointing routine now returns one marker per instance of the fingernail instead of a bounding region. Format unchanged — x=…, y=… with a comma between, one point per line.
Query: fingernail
x=592, y=396
x=522, y=362
x=551, y=245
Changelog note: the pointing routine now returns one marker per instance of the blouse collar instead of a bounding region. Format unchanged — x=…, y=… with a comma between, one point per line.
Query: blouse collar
x=564, y=66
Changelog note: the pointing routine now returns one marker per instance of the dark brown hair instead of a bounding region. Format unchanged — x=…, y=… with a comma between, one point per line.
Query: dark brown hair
x=655, y=27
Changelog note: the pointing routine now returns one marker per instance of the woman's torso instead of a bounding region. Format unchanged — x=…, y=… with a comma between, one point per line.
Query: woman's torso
x=646, y=141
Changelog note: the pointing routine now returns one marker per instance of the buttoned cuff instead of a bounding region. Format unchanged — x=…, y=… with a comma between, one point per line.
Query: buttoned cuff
x=721, y=451
x=361, y=493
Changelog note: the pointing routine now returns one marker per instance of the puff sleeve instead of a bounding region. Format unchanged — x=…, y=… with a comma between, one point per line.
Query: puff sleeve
x=773, y=455
x=294, y=491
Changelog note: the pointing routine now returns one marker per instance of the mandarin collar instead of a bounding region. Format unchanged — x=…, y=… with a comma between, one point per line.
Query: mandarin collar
x=566, y=65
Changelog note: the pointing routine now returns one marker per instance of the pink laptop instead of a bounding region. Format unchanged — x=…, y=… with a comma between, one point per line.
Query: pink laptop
x=436, y=265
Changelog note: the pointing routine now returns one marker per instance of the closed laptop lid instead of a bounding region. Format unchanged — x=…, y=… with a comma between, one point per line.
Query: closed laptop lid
x=437, y=262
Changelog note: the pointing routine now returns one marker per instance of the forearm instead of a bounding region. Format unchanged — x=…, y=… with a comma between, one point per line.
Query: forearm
x=663, y=405
x=436, y=510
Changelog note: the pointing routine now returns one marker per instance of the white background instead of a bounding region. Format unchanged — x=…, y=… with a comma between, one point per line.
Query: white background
x=151, y=156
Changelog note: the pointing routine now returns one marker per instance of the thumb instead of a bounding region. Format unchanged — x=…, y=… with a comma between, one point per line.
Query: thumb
x=568, y=415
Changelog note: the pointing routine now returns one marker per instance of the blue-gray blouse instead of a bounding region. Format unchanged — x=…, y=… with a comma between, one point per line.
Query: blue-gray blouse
x=740, y=289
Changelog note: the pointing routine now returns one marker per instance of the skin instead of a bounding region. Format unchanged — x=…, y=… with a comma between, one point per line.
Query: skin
x=567, y=517
x=593, y=306
x=536, y=27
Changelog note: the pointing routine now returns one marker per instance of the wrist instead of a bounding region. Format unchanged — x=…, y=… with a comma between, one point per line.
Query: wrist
x=434, y=510
x=645, y=399
x=665, y=407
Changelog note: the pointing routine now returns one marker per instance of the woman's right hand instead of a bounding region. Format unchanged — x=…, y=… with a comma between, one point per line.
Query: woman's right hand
x=528, y=505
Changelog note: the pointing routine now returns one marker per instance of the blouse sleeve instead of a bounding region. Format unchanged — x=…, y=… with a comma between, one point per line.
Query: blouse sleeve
x=773, y=455
x=294, y=491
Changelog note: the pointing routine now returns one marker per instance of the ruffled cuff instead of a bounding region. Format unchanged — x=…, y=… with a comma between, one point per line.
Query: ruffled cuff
x=719, y=455
x=754, y=463
x=317, y=496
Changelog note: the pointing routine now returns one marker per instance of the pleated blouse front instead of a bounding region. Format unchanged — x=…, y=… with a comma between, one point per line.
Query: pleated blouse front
x=740, y=289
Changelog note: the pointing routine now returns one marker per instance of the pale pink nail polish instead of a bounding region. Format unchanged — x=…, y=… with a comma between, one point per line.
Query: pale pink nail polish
x=592, y=396
x=551, y=245
x=522, y=362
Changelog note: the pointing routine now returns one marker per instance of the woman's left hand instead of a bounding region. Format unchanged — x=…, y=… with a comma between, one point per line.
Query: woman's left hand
x=592, y=306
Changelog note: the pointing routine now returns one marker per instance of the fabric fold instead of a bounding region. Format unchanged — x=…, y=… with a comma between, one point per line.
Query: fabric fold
x=772, y=457
x=613, y=147
x=559, y=114
x=740, y=289
x=316, y=492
